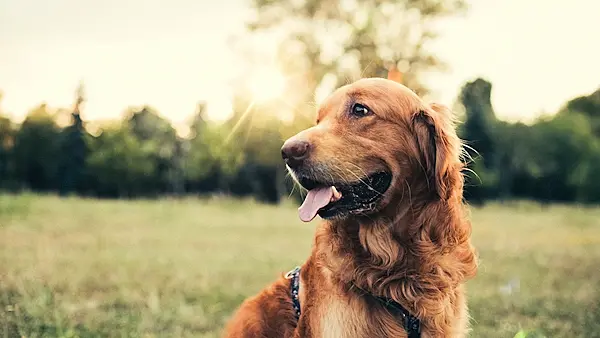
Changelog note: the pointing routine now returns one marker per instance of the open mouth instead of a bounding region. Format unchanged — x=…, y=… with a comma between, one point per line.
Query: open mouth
x=339, y=199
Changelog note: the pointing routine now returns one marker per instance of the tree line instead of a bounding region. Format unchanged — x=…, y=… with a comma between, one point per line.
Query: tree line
x=138, y=156
x=555, y=159
x=322, y=43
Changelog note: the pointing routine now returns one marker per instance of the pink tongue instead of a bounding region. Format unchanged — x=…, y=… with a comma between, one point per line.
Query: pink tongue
x=315, y=200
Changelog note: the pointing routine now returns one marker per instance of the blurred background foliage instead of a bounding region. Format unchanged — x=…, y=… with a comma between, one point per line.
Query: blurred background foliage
x=143, y=155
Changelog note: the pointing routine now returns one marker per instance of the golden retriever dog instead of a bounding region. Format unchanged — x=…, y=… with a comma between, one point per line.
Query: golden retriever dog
x=383, y=170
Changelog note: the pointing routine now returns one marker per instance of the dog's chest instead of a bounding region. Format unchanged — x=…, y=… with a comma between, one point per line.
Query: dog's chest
x=339, y=319
x=351, y=318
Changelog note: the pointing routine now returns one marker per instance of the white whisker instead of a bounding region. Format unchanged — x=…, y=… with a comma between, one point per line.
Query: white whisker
x=474, y=173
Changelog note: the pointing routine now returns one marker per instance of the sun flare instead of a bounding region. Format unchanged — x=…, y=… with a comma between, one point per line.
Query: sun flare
x=267, y=84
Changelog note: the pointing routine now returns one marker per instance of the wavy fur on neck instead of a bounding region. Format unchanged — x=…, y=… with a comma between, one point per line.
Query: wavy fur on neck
x=403, y=263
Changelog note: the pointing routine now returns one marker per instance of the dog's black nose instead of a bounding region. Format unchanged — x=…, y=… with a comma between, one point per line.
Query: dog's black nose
x=294, y=152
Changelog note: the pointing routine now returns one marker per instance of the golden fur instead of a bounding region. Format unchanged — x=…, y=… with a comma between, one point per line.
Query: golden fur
x=414, y=248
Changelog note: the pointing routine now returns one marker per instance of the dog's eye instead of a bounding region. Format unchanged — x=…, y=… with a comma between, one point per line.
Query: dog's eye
x=359, y=110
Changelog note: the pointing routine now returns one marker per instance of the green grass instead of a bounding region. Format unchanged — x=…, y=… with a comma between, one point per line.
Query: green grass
x=89, y=268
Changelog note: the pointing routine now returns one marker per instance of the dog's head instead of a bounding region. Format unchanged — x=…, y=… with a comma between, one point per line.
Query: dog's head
x=374, y=142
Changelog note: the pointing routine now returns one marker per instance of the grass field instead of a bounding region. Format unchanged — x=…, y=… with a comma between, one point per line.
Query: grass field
x=88, y=268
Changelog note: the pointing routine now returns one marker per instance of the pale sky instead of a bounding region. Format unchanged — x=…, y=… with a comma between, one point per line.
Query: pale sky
x=170, y=55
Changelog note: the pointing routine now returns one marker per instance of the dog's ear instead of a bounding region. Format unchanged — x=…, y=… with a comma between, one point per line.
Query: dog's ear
x=439, y=147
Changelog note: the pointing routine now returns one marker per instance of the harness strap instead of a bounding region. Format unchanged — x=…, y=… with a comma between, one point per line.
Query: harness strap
x=412, y=324
x=294, y=275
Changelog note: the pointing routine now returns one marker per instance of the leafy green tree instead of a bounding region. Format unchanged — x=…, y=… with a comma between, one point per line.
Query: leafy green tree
x=119, y=164
x=212, y=158
x=585, y=175
x=478, y=132
x=586, y=172
x=258, y=132
x=157, y=134
x=73, y=151
x=6, y=145
x=480, y=119
x=588, y=105
x=36, y=150
x=352, y=39
x=147, y=125
x=176, y=174
x=6, y=148
x=560, y=146
x=514, y=167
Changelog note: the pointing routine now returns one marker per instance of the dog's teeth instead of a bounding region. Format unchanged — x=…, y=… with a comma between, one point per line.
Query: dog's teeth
x=336, y=194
